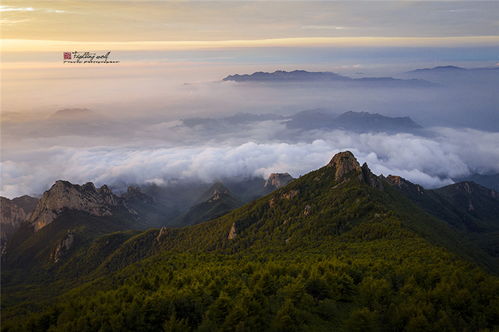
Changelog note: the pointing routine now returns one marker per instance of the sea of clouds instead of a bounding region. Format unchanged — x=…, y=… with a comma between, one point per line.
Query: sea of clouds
x=432, y=160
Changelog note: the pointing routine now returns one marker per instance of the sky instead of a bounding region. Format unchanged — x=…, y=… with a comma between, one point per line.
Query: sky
x=173, y=54
x=252, y=23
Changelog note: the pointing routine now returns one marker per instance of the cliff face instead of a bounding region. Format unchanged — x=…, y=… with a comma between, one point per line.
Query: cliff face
x=11, y=217
x=64, y=195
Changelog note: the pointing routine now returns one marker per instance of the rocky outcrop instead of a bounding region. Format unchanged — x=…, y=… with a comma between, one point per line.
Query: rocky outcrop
x=344, y=163
x=62, y=247
x=64, y=195
x=232, y=232
x=217, y=192
x=371, y=179
x=404, y=185
x=163, y=232
x=288, y=195
x=278, y=180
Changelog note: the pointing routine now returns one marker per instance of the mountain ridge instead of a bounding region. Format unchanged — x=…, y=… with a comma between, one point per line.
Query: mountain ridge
x=323, y=245
x=96, y=201
x=306, y=76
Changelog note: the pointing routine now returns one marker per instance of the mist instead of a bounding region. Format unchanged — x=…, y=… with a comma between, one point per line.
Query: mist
x=157, y=124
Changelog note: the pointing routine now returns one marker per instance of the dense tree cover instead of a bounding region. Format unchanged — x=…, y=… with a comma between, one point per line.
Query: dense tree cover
x=317, y=255
x=375, y=285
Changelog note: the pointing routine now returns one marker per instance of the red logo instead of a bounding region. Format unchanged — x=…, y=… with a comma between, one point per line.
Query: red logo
x=67, y=55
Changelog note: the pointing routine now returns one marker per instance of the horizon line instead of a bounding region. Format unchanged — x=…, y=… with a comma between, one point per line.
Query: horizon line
x=37, y=45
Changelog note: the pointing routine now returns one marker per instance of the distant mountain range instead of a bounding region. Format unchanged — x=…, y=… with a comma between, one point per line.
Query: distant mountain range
x=329, y=246
x=306, y=76
x=457, y=76
x=351, y=121
x=451, y=69
x=137, y=208
x=312, y=119
x=487, y=180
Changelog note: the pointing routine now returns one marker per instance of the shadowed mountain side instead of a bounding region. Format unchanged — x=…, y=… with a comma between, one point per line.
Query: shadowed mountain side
x=490, y=181
x=13, y=212
x=471, y=209
x=214, y=203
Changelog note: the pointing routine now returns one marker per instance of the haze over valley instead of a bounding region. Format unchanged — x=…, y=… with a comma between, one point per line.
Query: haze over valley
x=430, y=133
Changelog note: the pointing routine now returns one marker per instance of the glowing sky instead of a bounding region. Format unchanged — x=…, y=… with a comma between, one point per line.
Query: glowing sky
x=47, y=25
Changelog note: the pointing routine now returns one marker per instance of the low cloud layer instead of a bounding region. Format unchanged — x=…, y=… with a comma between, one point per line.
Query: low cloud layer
x=431, y=161
x=149, y=127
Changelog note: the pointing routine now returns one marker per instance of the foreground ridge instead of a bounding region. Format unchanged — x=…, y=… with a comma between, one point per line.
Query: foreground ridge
x=337, y=248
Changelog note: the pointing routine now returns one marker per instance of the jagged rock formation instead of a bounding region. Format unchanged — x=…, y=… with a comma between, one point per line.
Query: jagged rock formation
x=217, y=192
x=344, y=163
x=62, y=247
x=371, y=179
x=402, y=183
x=278, y=180
x=64, y=195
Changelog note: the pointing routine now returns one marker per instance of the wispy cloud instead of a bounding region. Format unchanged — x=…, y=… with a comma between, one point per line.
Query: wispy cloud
x=11, y=22
x=30, y=9
x=16, y=9
x=324, y=27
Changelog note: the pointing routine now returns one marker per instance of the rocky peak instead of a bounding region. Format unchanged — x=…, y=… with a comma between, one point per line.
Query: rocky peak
x=471, y=189
x=343, y=164
x=278, y=180
x=217, y=192
x=404, y=184
x=65, y=195
x=371, y=179
x=135, y=194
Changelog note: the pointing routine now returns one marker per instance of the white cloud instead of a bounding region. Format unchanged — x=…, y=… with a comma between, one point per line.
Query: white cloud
x=429, y=161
